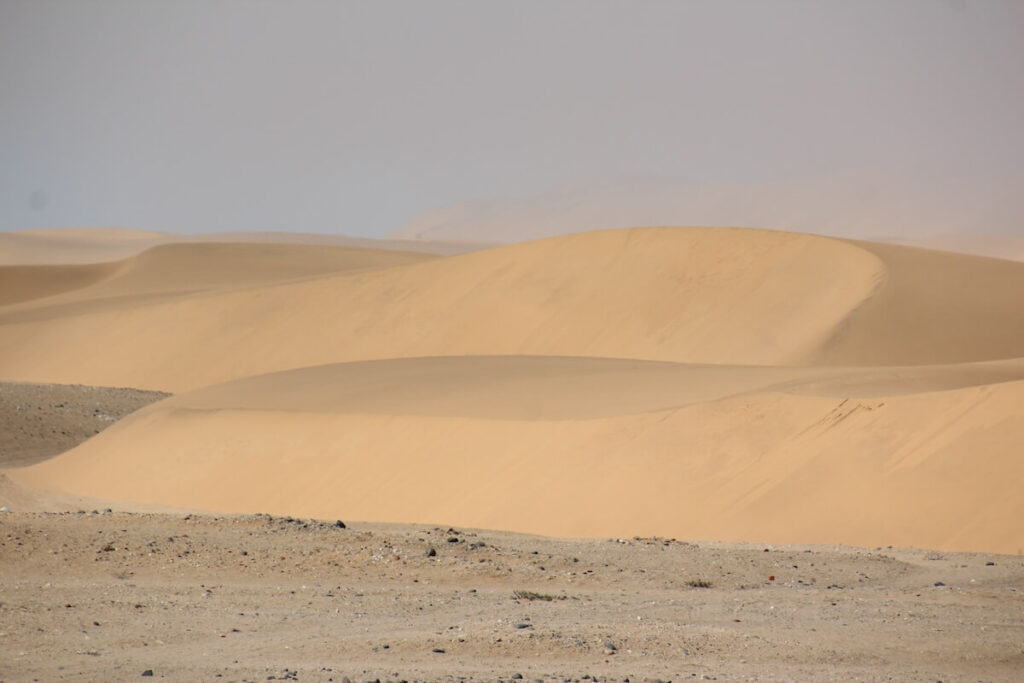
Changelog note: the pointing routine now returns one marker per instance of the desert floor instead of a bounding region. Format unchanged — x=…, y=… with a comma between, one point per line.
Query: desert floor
x=107, y=596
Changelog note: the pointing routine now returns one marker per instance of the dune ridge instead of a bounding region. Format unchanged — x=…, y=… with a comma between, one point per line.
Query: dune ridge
x=684, y=295
x=706, y=383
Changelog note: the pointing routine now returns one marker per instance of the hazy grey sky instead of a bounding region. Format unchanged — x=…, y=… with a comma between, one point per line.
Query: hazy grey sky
x=352, y=117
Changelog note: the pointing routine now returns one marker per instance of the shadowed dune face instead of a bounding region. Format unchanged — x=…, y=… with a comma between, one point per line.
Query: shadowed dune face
x=934, y=307
x=688, y=382
x=25, y=283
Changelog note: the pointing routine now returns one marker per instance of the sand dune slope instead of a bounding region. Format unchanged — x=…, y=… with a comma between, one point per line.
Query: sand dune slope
x=26, y=283
x=71, y=246
x=933, y=307
x=75, y=246
x=172, y=272
x=693, y=295
x=690, y=382
x=587, y=447
x=686, y=295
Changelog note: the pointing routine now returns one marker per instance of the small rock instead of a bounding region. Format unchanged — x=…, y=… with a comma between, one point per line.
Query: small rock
x=523, y=624
x=517, y=677
x=108, y=511
x=610, y=646
x=438, y=650
x=431, y=552
x=987, y=564
x=340, y=524
x=939, y=584
x=453, y=539
x=147, y=672
x=4, y=509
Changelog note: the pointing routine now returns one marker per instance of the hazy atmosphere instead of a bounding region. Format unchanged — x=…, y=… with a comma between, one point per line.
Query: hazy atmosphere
x=355, y=118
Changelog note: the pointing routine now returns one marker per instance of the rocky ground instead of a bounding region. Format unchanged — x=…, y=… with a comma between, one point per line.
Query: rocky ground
x=39, y=421
x=97, y=595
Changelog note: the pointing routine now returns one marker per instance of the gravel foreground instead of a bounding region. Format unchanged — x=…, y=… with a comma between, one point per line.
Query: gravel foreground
x=100, y=595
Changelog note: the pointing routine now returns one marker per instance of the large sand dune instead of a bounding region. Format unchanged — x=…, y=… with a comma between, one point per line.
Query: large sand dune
x=682, y=295
x=701, y=383
x=588, y=447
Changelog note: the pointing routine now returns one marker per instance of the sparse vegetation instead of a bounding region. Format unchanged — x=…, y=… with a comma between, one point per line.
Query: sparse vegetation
x=530, y=595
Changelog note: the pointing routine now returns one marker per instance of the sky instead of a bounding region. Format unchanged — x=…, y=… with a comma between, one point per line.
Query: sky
x=355, y=117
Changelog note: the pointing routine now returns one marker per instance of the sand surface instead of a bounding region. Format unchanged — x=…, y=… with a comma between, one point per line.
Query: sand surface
x=97, y=245
x=700, y=383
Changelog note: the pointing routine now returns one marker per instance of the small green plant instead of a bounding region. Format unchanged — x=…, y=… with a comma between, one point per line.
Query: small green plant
x=698, y=583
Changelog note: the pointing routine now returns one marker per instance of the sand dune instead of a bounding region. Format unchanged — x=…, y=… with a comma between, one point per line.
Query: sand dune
x=724, y=296
x=586, y=447
x=25, y=283
x=682, y=295
x=68, y=246
x=934, y=307
x=173, y=271
x=188, y=267
x=699, y=383
x=97, y=245
x=1009, y=247
x=855, y=209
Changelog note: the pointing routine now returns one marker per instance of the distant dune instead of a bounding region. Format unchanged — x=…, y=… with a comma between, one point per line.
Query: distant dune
x=976, y=217
x=706, y=383
x=96, y=245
